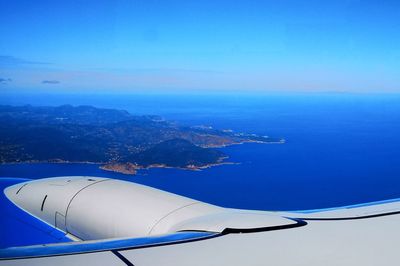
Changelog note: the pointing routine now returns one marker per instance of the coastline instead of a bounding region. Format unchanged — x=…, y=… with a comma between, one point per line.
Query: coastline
x=131, y=168
x=121, y=169
x=281, y=141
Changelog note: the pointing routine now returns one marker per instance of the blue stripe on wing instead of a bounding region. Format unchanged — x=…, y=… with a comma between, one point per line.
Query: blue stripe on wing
x=349, y=206
x=102, y=245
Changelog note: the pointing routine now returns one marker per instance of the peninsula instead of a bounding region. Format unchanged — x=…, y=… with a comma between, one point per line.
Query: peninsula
x=116, y=139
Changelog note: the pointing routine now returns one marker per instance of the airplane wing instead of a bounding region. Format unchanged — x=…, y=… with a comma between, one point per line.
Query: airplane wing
x=100, y=221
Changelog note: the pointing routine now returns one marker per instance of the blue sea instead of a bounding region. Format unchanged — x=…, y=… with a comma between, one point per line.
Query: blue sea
x=340, y=149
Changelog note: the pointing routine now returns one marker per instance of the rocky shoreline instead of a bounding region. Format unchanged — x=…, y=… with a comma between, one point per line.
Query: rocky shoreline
x=129, y=168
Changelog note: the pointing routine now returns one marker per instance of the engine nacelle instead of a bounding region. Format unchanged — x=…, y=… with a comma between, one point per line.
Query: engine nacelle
x=98, y=208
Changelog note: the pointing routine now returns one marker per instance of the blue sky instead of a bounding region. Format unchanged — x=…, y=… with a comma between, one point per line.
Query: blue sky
x=147, y=45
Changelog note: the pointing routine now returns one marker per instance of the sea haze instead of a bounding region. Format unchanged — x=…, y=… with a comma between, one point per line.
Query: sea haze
x=340, y=149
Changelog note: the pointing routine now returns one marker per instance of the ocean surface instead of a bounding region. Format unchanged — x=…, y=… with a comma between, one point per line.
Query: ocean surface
x=340, y=149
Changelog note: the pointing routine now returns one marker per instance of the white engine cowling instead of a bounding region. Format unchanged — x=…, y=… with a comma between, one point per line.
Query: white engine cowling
x=98, y=208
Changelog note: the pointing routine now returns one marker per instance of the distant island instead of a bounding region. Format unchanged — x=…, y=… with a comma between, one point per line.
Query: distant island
x=116, y=139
